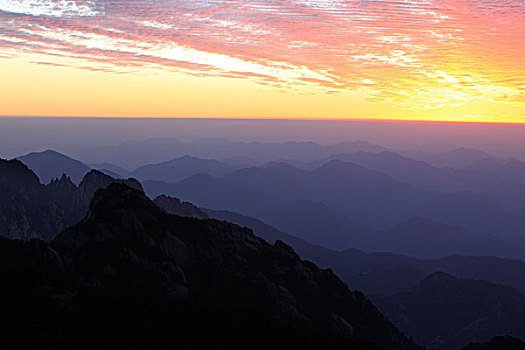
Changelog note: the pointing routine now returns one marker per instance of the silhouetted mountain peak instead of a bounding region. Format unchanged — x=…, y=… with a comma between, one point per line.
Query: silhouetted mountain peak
x=127, y=242
x=338, y=169
x=64, y=183
x=15, y=176
x=438, y=277
x=95, y=179
x=50, y=164
x=176, y=206
x=118, y=196
x=51, y=152
x=177, y=169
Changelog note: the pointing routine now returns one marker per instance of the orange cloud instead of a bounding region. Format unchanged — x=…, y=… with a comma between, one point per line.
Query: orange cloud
x=408, y=59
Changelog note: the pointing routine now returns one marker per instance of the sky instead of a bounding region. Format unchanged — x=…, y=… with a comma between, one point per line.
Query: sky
x=448, y=60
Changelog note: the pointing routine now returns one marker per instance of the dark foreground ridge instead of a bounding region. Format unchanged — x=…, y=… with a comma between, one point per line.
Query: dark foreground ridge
x=498, y=343
x=445, y=312
x=131, y=275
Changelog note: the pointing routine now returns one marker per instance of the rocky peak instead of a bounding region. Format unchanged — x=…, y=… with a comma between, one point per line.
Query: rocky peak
x=127, y=244
x=16, y=179
x=62, y=184
x=177, y=207
x=29, y=209
x=95, y=179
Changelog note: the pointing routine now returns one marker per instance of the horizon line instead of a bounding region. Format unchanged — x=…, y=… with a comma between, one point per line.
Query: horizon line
x=376, y=120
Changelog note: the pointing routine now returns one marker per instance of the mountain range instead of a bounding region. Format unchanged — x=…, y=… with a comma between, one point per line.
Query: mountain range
x=129, y=274
x=444, y=312
x=341, y=204
x=29, y=209
x=132, y=154
x=49, y=165
x=293, y=200
x=374, y=273
x=126, y=253
x=408, y=296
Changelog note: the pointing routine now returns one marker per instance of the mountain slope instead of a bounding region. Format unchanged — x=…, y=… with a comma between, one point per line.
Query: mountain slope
x=498, y=343
x=127, y=250
x=180, y=168
x=445, y=312
x=373, y=273
x=49, y=165
x=511, y=170
x=378, y=200
x=104, y=166
x=312, y=221
x=132, y=154
x=422, y=238
x=458, y=157
x=481, y=178
x=25, y=211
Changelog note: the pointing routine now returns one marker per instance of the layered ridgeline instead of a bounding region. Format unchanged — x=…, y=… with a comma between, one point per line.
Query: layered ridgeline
x=439, y=310
x=374, y=273
x=329, y=205
x=130, y=274
x=50, y=208
x=29, y=209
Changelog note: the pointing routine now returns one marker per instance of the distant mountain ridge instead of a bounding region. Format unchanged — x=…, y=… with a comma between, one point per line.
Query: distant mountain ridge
x=62, y=201
x=49, y=165
x=180, y=168
x=313, y=221
x=511, y=170
x=132, y=154
x=274, y=195
x=365, y=195
x=458, y=157
x=373, y=273
x=429, y=311
x=501, y=182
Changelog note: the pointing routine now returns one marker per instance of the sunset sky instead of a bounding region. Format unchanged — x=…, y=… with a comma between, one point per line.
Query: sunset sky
x=455, y=60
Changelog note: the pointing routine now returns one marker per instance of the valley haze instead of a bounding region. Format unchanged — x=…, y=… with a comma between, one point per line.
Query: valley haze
x=417, y=230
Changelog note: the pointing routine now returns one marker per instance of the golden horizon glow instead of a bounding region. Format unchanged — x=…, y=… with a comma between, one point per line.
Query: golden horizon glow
x=446, y=60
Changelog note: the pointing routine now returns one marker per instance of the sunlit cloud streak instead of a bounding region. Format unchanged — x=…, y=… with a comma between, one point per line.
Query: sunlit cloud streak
x=418, y=54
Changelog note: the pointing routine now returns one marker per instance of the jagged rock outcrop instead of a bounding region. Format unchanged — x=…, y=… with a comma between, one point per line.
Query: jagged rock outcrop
x=25, y=209
x=30, y=210
x=127, y=252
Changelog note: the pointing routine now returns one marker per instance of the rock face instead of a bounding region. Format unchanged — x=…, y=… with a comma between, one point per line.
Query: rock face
x=25, y=211
x=29, y=209
x=445, y=312
x=129, y=254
